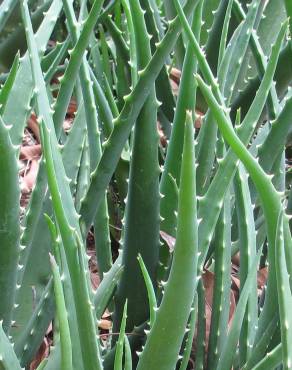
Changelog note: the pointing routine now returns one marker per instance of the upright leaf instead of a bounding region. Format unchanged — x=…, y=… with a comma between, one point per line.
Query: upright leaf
x=165, y=337
x=9, y=225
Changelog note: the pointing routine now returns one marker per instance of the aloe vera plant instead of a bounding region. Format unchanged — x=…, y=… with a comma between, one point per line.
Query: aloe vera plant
x=177, y=162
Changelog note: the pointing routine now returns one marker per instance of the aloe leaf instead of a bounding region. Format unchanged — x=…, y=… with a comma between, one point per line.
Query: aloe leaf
x=117, y=37
x=32, y=334
x=107, y=286
x=179, y=47
x=163, y=87
x=236, y=58
x=225, y=360
x=18, y=106
x=209, y=13
x=132, y=47
x=269, y=197
x=271, y=361
x=118, y=364
x=214, y=29
x=56, y=61
x=206, y=141
x=230, y=69
x=278, y=172
x=72, y=149
x=36, y=270
x=249, y=63
x=220, y=25
x=110, y=97
x=104, y=109
x=95, y=59
x=8, y=359
x=87, y=91
x=164, y=336
x=69, y=302
x=136, y=340
x=201, y=324
x=59, y=254
x=210, y=204
x=9, y=225
x=247, y=247
x=189, y=339
x=227, y=77
x=186, y=101
x=51, y=55
x=14, y=41
x=224, y=34
x=260, y=60
x=276, y=137
x=105, y=52
x=289, y=13
x=157, y=14
x=72, y=69
x=79, y=282
x=83, y=175
x=69, y=305
x=8, y=84
x=221, y=290
x=6, y=8
x=66, y=216
x=121, y=71
x=150, y=291
x=54, y=358
x=141, y=233
x=284, y=295
x=255, y=109
x=128, y=355
x=124, y=122
x=283, y=76
x=102, y=241
x=202, y=63
x=65, y=339
x=268, y=29
x=43, y=364
x=259, y=351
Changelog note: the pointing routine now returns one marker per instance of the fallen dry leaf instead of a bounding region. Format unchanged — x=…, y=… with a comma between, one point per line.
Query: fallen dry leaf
x=105, y=324
x=236, y=259
x=235, y=286
x=169, y=240
x=72, y=107
x=42, y=353
x=262, y=277
x=34, y=127
x=162, y=138
x=175, y=75
x=29, y=177
x=30, y=152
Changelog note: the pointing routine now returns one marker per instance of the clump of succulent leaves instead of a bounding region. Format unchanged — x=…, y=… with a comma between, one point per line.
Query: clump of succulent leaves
x=218, y=190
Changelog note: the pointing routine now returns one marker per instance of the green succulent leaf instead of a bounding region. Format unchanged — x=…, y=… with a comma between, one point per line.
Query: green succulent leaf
x=164, y=336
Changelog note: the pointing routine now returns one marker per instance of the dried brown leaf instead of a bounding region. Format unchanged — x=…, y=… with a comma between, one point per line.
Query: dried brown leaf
x=169, y=240
x=30, y=152
x=29, y=178
x=34, y=127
